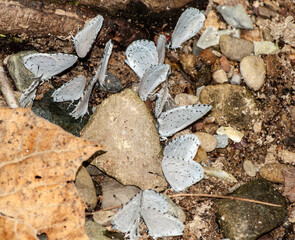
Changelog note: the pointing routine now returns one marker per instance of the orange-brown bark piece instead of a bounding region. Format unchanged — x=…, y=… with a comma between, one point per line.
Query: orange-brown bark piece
x=38, y=163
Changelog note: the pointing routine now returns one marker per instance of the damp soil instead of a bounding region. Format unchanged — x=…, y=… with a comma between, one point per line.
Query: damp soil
x=275, y=99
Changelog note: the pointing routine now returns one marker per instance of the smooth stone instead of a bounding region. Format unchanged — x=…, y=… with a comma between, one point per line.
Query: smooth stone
x=85, y=187
x=240, y=220
x=287, y=156
x=112, y=84
x=20, y=75
x=249, y=168
x=273, y=172
x=220, y=76
x=219, y=173
x=235, y=16
x=231, y=105
x=201, y=155
x=114, y=193
x=58, y=113
x=224, y=64
x=209, y=37
x=97, y=232
x=183, y=99
x=222, y=141
x=123, y=124
x=104, y=217
x=235, y=48
x=253, y=71
x=236, y=79
x=232, y=133
x=208, y=142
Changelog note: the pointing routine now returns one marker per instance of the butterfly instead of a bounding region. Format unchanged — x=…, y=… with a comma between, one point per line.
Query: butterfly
x=161, y=48
x=71, y=90
x=29, y=94
x=179, y=118
x=187, y=26
x=85, y=38
x=163, y=96
x=104, y=62
x=45, y=65
x=178, y=166
x=152, y=78
x=141, y=55
x=153, y=208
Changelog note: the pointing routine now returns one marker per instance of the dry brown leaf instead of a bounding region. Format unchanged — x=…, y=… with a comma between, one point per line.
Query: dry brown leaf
x=289, y=191
x=38, y=163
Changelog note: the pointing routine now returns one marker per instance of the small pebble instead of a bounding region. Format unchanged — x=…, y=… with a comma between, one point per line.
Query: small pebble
x=188, y=61
x=208, y=142
x=235, y=48
x=212, y=20
x=273, y=172
x=222, y=141
x=236, y=79
x=257, y=127
x=184, y=99
x=201, y=155
x=251, y=35
x=287, y=156
x=220, y=76
x=232, y=133
x=209, y=37
x=224, y=63
x=253, y=71
x=265, y=47
x=208, y=57
x=249, y=168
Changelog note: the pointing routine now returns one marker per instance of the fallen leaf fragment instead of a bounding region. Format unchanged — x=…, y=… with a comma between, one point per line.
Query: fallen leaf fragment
x=38, y=163
x=289, y=191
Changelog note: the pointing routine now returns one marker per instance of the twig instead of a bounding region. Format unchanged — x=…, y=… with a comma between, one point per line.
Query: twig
x=6, y=90
x=226, y=197
x=105, y=209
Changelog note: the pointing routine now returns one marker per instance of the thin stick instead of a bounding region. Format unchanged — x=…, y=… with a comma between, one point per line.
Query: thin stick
x=6, y=90
x=105, y=209
x=226, y=197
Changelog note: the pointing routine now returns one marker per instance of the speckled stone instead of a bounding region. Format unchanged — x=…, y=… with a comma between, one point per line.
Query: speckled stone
x=235, y=48
x=273, y=172
x=240, y=220
x=231, y=105
x=208, y=142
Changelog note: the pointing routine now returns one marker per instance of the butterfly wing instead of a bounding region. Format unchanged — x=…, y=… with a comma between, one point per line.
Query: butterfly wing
x=180, y=173
x=46, y=66
x=104, y=62
x=141, y=54
x=178, y=118
x=29, y=94
x=151, y=79
x=187, y=26
x=85, y=38
x=71, y=90
x=154, y=201
x=161, y=48
x=184, y=146
x=128, y=217
x=163, y=95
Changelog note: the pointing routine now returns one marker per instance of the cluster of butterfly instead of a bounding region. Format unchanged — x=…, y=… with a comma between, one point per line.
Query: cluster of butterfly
x=147, y=61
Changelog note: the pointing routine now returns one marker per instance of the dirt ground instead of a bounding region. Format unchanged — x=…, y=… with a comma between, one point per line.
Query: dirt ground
x=275, y=100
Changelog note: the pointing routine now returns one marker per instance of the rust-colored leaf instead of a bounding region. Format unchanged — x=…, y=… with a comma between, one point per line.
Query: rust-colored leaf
x=289, y=191
x=38, y=162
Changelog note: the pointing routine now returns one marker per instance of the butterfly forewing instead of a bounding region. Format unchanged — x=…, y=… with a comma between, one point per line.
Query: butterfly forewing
x=71, y=90
x=161, y=48
x=29, y=94
x=154, y=201
x=141, y=55
x=127, y=218
x=188, y=25
x=151, y=79
x=85, y=38
x=163, y=95
x=180, y=173
x=178, y=118
x=104, y=62
x=46, y=66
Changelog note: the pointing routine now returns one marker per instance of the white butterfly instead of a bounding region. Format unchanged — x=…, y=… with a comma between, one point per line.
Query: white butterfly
x=85, y=38
x=71, y=90
x=178, y=166
x=141, y=55
x=187, y=26
x=152, y=207
x=152, y=78
x=162, y=95
x=178, y=118
x=46, y=66
x=161, y=48
x=29, y=94
x=104, y=62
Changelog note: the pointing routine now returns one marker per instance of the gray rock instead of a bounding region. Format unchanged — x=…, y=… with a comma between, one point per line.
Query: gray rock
x=253, y=71
x=236, y=79
x=235, y=16
x=125, y=127
x=112, y=84
x=97, y=232
x=222, y=141
x=235, y=48
x=86, y=188
x=114, y=193
x=209, y=37
x=20, y=75
x=231, y=105
x=240, y=220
